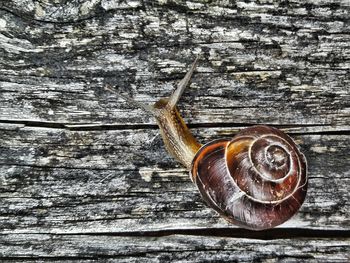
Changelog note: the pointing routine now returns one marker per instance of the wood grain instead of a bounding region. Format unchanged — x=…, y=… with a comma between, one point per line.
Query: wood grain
x=177, y=248
x=84, y=176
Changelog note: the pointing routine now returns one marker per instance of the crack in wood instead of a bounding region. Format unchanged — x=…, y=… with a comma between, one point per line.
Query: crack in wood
x=105, y=127
x=271, y=234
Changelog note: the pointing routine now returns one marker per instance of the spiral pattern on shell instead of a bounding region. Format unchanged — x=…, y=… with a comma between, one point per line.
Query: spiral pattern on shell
x=257, y=180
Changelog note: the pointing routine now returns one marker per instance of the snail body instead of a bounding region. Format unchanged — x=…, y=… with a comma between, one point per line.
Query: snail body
x=256, y=180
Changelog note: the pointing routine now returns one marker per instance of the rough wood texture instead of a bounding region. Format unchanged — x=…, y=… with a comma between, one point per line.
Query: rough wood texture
x=84, y=175
x=173, y=248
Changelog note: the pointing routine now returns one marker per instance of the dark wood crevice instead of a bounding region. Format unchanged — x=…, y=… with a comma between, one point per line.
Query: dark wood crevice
x=271, y=234
x=106, y=127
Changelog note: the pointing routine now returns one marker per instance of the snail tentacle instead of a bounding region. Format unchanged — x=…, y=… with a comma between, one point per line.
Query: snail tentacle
x=145, y=107
x=174, y=98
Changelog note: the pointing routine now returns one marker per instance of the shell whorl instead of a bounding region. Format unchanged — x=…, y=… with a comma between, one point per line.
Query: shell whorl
x=256, y=180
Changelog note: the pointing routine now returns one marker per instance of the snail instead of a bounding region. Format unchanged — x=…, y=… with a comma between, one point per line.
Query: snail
x=256, y=180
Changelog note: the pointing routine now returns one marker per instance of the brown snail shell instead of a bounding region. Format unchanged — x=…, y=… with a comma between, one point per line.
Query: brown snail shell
x=257, y=180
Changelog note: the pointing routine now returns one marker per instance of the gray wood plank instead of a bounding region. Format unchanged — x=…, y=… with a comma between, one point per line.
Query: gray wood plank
x=256, y=67
x=60, y=181
x=176, y=248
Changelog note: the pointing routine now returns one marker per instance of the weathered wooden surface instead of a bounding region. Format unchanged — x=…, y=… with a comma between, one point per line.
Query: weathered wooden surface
x=175, y=248
x=84, y=175
x=58, y=181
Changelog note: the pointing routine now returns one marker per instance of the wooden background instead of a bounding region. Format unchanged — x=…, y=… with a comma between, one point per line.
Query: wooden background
x=84, y=176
